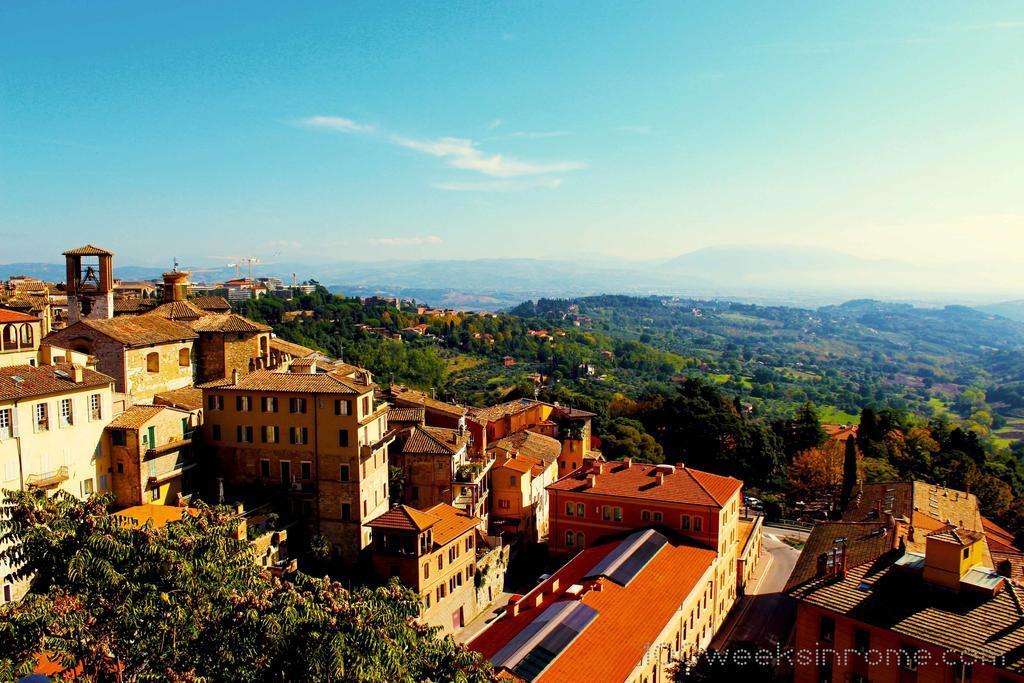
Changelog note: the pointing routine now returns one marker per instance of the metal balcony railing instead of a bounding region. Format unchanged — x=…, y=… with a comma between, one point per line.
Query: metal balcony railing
x=48, y=479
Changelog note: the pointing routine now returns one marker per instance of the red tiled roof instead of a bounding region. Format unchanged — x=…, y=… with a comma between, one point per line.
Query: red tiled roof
x=88, y=250
x=21, y=381
x=291, y=348
x=412, y=398
x=216, y=304
x=293, y=382
x=452, y=523
x=136, y=416
x=680, y=484
x=188, y=398
x=532, y=445
x=999, y=539
x=139, y=330
x=7, y=316
x=516, y=464
x=629, y=618
x=404, y=518
x=434, y=441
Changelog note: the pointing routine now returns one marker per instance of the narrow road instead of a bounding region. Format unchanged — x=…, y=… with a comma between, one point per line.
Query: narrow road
x=765, y=615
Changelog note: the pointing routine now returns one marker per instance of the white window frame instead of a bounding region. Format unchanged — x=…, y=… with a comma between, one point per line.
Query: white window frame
x=67, y=412
x=41, y=413
x=95, y=407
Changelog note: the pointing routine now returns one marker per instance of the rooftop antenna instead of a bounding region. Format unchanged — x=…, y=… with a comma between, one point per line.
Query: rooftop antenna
x=175, y=269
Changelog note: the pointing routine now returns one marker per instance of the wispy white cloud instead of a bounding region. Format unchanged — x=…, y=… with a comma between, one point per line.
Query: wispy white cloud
x=463, y=153
x=338, y=123
x=500, y=185
x=418, y=241
x=495, y=124
x=282, y=244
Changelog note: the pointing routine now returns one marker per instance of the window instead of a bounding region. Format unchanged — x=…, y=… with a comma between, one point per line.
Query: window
x=214, y=402
x=426, y=601
x=184, y=358
x=580, y=510
x=265, y=469
x=698, y=523
x=154, y=495
x=366, y=405
x=512, y=480
x=657, y=516
x=617, y=514
x=66, y=416
x=8, y=592
x=286, y=471
x=297, y=405
x=118, y=438
x=440, y=563
x=153, y=362
x=342, y=406
x=967, y=552
x=346, y=512
x=645, y=515
x=120, y=468
x=908, y=658
x=426, y=570
x=42, y=418
x=6, y=425
x=606, y=512
x=95, y=407
x=215, y=432
x=561, y=465
x=684, y=522
x=861, y=641
x=345, y=474
x=87, y=489
x=580, y=542
x=243, y=404
x=271, y=433
x=569, y=507
x=570, y=538
x=504, y=504
x=343, y=438
x=827, y=630
x=298, y=435
x=306, y=470
x=268, y=404
x=244, y=433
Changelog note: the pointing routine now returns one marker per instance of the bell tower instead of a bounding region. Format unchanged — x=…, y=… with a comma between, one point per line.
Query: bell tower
x=90, y=283
x=175, y=284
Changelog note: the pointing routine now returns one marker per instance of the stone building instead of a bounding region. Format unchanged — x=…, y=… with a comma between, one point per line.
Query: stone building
x=90, y=283
x=150, y=452
x=314, y=437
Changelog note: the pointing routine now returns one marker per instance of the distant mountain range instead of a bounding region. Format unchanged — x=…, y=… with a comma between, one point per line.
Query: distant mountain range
x=802, y=276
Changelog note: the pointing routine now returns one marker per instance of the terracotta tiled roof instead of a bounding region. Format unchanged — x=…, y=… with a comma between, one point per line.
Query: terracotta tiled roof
x=434, y=441
x=136, y=416
x=680, y=484
x=291, y=348
x=998, y=538
x=532, y=445
x=496, y=412
x=452, y=523
x=951, y=534
x=517, y=464
x=902, y=602
x=185, y=311
x=406, y=415
x=410, y=398
x=227, y=322
x=571, y=413
x=1002, y=559
x=293, y=382
x=864, y=543
x=926, y=506
x=88, y=250
x=22, y=381
x=132, y=305
x=16, y=317
x=139, y=330
x=188, y=398
x=404, y=518
x=628, y=617
x=214, y=304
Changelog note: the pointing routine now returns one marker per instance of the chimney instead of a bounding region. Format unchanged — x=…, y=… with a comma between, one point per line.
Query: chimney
x=680, y=466
x=661, y=478
x=600, y=468
x=842, y=562
x=234, y=376
x=628, y=462
x=591, y=480
x=77, y=376
x=822, y=564
x=910, y=533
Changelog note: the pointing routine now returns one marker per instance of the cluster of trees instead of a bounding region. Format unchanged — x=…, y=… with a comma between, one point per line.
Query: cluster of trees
x=113, y=601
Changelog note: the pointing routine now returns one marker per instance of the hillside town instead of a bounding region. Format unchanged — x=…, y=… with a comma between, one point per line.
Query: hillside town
x=521, y=539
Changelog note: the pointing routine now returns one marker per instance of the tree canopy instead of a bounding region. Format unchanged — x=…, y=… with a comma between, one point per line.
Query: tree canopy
x=186, y=602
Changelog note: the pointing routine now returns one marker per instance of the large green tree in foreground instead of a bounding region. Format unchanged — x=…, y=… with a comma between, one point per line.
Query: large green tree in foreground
x=187, y=603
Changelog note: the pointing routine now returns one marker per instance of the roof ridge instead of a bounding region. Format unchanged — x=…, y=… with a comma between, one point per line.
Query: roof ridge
x=702, y=487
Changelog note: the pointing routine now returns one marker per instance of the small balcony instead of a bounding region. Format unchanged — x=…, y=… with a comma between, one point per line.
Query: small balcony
x=47, y=480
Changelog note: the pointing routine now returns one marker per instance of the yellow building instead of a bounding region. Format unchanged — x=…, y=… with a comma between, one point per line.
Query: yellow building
x=149, y=448
x=433, y=552
x=525, y=463
x=51, y=427
x=313, y=434
x=20, y=335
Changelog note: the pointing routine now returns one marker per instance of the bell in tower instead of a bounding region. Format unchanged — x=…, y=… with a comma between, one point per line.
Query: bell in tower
x=90, y=283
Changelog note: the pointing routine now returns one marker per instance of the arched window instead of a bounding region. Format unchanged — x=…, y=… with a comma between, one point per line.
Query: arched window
x=10, y=338
x=27, y=336
x=184, y=357
x=580, y=541
x=569, y=538
x=153, y=362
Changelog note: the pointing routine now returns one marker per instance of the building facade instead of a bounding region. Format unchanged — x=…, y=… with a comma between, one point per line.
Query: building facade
x=318, y=437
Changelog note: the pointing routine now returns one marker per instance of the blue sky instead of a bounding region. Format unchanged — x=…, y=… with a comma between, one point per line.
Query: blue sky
x=328, y=131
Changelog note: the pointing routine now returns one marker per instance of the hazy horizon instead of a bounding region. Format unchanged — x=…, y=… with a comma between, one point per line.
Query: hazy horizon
x=622, y=134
